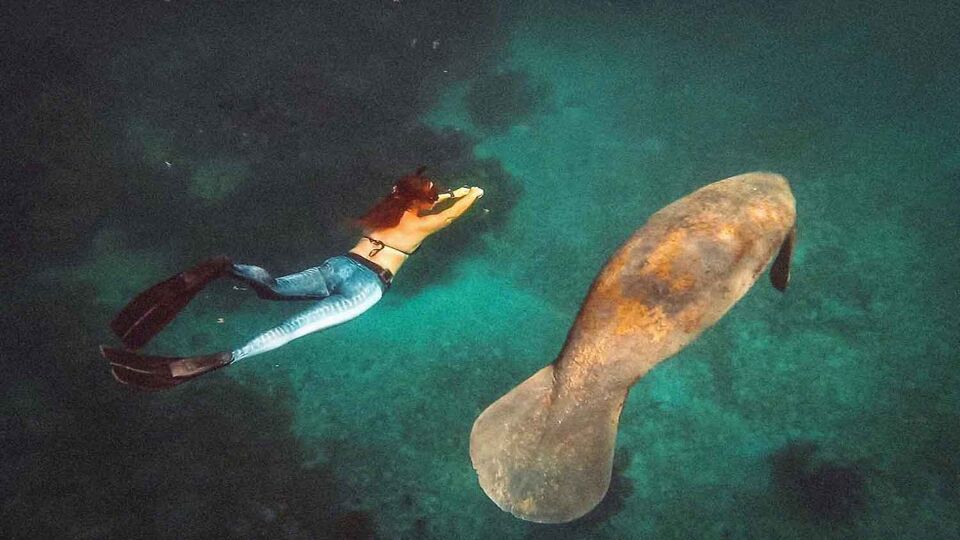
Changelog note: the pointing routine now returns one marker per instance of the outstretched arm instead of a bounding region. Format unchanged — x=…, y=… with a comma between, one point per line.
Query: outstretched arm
x=453, y=193
x=466, y=197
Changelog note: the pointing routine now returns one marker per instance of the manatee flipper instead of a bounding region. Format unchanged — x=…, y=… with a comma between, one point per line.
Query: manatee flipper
x=154, y=308
x=780, y=269
x=541, y=459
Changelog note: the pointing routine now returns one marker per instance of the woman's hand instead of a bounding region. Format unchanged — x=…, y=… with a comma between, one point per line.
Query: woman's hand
x=454, y=193
x=461, y=192
x=466, y=197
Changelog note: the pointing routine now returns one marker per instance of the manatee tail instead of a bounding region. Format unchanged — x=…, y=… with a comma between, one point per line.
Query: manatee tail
x=541, y=458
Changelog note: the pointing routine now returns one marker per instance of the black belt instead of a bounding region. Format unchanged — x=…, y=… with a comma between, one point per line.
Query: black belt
x=385, y=275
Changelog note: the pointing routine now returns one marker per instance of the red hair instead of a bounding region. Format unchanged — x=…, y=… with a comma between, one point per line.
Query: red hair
x=407, y=192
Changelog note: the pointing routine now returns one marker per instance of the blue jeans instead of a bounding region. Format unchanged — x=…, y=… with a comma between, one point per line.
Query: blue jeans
x=342, y=287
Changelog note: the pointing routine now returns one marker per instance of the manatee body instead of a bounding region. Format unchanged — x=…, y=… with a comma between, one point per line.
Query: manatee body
x=544, y=451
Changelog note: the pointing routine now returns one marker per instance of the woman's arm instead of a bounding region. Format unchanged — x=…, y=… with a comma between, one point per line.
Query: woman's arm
x=454, y=193
x=466, y=196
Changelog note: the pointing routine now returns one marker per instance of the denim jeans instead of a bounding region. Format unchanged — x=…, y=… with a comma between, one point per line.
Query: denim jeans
x=342, y=287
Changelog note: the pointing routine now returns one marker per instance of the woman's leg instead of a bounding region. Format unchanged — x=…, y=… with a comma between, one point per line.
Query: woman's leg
x=358, y=293
x=312, y=283
x=353, y=289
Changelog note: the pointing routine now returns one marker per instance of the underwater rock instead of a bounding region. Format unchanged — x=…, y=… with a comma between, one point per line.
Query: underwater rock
x=825, y=491
x=354, y=525
x=497, y=101
x=544, y=451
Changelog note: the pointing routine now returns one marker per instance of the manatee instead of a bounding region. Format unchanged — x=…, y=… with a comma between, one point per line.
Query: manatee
x=544, y=451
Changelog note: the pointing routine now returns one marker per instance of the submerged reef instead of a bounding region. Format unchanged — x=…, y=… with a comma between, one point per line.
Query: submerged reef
x=182, y=143
x=822, y=490
x=215, y=180
x=219, y=462
x=497, y=101
x=354, y=525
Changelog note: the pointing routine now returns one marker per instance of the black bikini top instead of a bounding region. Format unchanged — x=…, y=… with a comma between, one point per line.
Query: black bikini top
x=378, y=247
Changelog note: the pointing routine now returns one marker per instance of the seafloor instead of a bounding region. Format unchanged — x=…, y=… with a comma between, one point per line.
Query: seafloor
x=142, y=137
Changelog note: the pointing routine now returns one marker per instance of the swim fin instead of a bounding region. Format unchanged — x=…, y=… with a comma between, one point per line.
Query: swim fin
x=160, y=372
x=154, y=308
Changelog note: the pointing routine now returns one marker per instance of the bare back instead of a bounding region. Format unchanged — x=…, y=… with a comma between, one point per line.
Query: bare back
x=389, y=247
x=406, y=236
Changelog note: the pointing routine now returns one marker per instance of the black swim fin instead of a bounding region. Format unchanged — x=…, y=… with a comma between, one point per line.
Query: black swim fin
x=160, y=372
x=154, y=308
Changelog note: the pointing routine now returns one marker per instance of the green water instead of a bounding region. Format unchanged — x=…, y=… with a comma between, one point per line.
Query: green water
x=143, y=140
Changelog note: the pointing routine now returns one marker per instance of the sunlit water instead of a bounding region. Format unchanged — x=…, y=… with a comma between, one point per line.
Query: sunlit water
x=145, y=139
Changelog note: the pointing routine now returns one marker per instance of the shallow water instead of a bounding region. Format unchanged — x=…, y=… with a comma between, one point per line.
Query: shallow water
x=144, y=139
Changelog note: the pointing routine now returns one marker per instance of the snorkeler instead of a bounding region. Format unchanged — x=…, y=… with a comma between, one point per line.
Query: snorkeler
x=343, y=286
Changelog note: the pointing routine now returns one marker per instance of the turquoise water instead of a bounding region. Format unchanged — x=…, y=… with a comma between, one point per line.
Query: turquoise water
x=145, y=139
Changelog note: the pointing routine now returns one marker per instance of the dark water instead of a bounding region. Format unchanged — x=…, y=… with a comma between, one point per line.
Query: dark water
x=139, y=138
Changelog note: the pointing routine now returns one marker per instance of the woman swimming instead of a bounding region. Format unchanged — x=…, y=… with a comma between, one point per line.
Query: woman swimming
x=343, y=286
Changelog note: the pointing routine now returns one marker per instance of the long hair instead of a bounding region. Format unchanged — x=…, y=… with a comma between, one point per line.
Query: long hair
x=407, y=192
